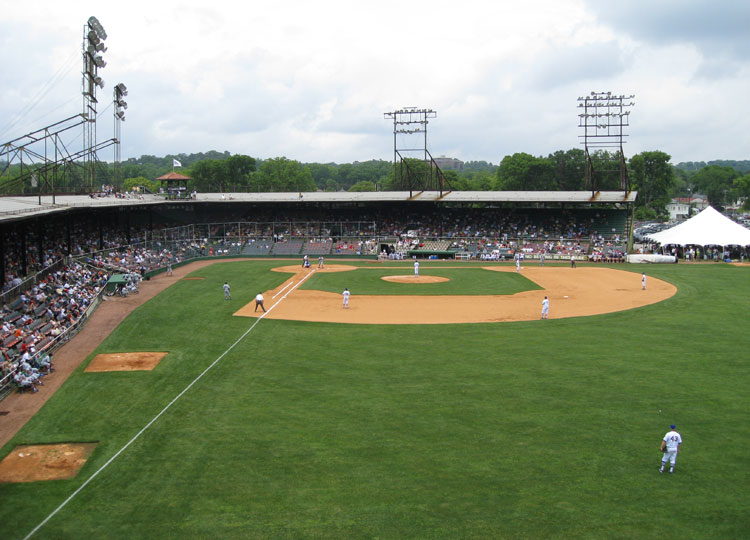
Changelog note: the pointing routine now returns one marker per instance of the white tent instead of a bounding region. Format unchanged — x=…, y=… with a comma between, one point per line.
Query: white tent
x=705, y=229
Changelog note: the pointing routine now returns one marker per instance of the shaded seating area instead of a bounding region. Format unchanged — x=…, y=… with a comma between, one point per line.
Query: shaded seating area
x=256, y=248
x=316, y=247
x=291, y=247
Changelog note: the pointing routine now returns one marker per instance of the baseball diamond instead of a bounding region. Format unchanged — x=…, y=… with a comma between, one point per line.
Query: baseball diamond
x=437, y=406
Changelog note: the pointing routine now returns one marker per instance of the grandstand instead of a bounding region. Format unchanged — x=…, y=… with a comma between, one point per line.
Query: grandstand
x=36, y=231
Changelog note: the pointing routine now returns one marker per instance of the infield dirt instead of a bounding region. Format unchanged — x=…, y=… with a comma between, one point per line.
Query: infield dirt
x=573, y=292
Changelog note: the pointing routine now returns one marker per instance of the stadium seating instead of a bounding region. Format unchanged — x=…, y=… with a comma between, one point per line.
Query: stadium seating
x=290, y=247
x=315, y=247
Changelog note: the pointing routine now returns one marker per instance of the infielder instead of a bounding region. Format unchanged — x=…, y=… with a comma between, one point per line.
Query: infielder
x=346, y=298
x=643, y=281
x=545, y=308
x=670, y=445
x=518, y=262
x=227, y=296
x=416, y=268
x=259, y=302
x=320, y=262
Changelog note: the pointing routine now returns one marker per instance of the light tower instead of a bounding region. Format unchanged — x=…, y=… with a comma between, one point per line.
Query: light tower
x=120, y=105
x=409, y=173
x=604, y=117
x=93, y=48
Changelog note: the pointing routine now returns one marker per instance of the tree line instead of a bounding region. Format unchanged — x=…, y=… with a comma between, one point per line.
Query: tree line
x=650, y=173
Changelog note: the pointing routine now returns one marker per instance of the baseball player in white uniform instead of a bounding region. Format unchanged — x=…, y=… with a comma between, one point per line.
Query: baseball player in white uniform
x=346, y=295
x=227, y=296
x=670, y=445
x=545, y=308
x=643, y=280
x=416, y=268
x=518, y=262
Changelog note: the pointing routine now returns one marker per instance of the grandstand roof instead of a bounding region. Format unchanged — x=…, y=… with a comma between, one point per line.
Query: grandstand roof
x=14, y=208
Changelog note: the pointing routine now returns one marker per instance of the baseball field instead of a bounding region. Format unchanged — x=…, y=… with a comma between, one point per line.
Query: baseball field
x=311, y=425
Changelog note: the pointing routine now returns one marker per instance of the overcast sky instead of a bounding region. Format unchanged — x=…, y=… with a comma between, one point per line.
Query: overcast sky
x=311, y=80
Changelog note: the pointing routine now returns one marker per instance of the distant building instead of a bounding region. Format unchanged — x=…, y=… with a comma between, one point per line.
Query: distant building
x=679, y=208
x=449, y=164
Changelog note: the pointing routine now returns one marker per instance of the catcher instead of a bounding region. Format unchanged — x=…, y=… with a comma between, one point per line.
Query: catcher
x=670, y=445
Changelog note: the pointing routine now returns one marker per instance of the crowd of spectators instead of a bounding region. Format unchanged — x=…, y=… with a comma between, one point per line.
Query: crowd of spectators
x=34, y=321
x=350, y=231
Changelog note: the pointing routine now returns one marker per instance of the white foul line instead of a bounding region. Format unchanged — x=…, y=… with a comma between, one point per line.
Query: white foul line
x=282, y=290
x=155, y=418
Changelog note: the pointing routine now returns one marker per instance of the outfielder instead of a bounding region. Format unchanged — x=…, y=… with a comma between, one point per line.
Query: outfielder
x=670, y=445
x=643, y=280
x=227, y=296
x=346, y=295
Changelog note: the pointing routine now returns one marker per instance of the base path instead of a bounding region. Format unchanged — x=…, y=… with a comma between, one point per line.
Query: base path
x=573, y=292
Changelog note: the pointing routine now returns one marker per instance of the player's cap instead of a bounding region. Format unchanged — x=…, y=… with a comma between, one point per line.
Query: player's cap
x=672, y=426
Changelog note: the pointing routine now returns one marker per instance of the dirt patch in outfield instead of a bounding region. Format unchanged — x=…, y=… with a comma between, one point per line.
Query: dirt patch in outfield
x=415, y=279
x=573, y=292
x=132, y=361
x=37, y=462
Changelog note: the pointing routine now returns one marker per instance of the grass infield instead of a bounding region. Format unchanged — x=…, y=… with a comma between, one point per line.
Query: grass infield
x=468, y=280
x=540, y=429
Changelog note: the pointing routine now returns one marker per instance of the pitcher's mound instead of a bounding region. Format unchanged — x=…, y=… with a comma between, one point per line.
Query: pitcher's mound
x=415, y=279
x=133, y=361
x=35, y=462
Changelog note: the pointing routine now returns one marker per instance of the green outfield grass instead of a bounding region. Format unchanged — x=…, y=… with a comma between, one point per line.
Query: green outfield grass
x=540, y=429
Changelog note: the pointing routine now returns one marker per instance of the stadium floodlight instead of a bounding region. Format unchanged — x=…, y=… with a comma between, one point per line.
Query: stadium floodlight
x=99, y=62
x=121, y=89
x=604, y=120
x=122, y=103
x=120, y=115
x=96, y=26
x=99, y=82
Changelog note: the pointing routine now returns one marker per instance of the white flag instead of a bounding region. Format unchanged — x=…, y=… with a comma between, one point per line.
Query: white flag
x=176, y=163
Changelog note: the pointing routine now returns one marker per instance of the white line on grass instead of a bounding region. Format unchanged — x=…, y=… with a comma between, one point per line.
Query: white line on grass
x=155, y=418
